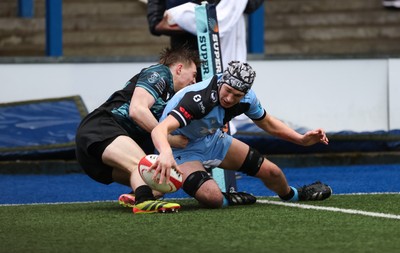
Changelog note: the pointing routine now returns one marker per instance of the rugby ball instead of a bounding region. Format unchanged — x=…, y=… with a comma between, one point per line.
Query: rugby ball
x=175, y=179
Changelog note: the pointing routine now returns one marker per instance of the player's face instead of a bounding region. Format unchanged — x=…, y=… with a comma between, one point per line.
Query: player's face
x=229, y=96
x=186, y=76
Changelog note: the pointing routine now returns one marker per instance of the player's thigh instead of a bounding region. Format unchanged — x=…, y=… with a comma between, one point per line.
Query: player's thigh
x=188, y=168
x=123, y=154
x=236, y=155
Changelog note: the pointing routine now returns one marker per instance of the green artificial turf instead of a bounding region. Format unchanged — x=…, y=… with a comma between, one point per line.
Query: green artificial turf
x=107, y=227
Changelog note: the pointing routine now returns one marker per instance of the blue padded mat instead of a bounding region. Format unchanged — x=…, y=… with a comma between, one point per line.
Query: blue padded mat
x=40, y=129
x=342, y=141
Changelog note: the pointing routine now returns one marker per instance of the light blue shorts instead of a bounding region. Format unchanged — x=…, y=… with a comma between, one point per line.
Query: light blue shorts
x=209, y=150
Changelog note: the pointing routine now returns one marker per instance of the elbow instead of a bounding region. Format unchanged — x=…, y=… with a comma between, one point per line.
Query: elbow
x=137, y=112
x=153, y=132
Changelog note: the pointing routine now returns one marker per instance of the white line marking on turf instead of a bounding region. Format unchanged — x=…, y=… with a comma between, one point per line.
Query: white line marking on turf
x=369, y=193
x=331, y=209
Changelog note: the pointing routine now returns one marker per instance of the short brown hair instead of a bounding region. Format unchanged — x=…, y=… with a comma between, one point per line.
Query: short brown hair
x=169, y=56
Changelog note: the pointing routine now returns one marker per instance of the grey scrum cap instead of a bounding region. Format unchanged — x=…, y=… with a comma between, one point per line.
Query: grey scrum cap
x=238, y=75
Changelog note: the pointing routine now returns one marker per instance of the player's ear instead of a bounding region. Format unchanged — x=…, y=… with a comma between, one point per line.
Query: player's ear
x=178, y=69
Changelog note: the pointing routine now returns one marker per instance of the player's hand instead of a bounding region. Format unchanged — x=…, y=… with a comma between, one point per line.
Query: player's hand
x=163, y=166
x=315, y=136
x=178, y=141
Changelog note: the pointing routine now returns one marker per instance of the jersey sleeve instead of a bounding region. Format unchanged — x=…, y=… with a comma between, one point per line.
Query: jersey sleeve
x=189, y=107
x=256, y=111
x=154, y=80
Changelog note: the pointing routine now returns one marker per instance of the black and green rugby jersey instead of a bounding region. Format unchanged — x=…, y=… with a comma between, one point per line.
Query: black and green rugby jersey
x=157, y=80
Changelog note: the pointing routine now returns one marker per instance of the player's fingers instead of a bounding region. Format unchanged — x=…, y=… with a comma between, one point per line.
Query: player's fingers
x=325, y=140
x=178, y=169
x=154, y=165
x=312, y=133
x=162, y=175
x=156, y=171
x=322, y=137
x=167, y=174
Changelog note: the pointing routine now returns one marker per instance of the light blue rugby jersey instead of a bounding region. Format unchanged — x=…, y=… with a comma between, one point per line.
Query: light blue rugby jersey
x=199, y=113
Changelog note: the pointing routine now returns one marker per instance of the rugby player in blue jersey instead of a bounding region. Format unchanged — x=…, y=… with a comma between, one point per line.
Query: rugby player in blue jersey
x=111, y=140
x=199, y=112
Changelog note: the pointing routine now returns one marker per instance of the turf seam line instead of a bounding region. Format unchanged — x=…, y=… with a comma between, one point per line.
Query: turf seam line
x=331, y=209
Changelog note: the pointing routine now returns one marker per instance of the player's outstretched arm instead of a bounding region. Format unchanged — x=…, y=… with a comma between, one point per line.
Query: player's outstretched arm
x=279, y=129
x=165, y=159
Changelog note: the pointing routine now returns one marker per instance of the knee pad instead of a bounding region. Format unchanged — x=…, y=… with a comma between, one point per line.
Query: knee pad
x=194, y=181
x=252, y=163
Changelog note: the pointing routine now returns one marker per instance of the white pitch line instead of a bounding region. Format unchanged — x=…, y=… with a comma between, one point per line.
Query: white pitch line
x=331, y=209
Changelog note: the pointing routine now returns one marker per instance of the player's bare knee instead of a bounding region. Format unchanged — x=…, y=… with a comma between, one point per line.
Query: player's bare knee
x=252, y=162
x=269, y=171
x=194, y=181
x=275, y=171
x=204, y=190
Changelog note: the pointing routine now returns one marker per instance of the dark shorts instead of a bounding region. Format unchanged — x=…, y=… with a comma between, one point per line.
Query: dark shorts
x=96, y=131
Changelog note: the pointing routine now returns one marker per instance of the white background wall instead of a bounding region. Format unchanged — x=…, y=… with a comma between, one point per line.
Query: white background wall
x=333, y=94
x=394, y=94
x=358, y=95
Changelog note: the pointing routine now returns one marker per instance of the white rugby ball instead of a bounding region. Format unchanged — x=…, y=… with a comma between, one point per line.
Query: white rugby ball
x=175, y=179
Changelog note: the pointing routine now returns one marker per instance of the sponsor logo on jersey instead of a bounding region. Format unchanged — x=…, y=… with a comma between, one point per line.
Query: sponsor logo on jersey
x=153, y=77
x=213, y=96
x=185, y=113
x=197, y=98
x=202, y=107
x=161, y=86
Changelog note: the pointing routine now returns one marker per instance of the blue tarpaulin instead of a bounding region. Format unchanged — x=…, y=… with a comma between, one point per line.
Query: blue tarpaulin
x=40, y=129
